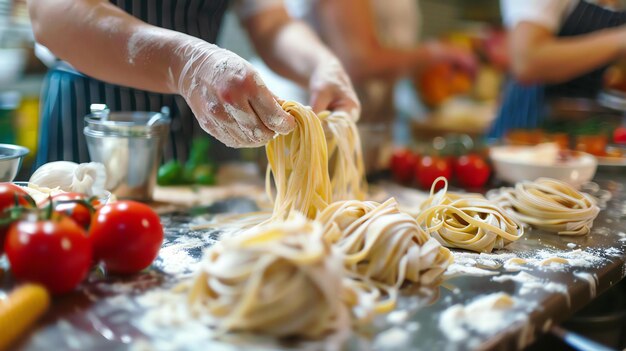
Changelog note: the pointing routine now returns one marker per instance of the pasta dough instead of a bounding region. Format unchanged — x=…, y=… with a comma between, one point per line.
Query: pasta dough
x=279, y=279
x=382, y=247
x=347, y=173
x=468, y=222
x=550, y=205
x=298, y=163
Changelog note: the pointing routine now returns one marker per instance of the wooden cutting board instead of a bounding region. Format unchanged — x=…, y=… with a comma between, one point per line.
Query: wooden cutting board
x=171, y=198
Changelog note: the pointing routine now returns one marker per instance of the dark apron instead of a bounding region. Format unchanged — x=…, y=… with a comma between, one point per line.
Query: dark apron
x=523, y=106
x=67, y=94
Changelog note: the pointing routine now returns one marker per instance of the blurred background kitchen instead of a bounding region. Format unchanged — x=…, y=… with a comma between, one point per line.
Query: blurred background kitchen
x=439, y=111
x=468, y=24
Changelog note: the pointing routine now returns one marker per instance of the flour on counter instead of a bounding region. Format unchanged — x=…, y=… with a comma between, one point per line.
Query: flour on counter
x=613, y=251
x=529, y=282
x=515, y=264
x=456, y=269
x=483, y=264
x=486, y=315
x=398, y=317
x=394, y=338
x=571, y=245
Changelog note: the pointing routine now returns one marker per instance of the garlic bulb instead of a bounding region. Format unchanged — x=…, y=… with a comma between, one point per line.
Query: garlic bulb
x=87, y=178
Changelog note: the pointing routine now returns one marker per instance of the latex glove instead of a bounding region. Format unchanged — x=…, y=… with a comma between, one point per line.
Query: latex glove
x=227, y=96
x=330, y=89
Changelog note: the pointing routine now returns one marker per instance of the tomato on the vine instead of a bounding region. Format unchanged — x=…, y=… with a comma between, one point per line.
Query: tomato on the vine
x=55, y=253
x=472, y=171
x=402, y=165
x=75, y=206
x=126, y=236
x=430, y=168
x=9, y=194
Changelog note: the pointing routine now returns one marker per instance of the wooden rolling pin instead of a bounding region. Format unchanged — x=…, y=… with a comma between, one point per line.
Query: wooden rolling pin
x=20, y=310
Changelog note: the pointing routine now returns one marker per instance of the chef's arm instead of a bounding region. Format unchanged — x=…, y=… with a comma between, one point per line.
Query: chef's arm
x=288, y=47
x=538, y=56
x=103, y=41
x=354, y=39
x=224, y=91
x=293, y=50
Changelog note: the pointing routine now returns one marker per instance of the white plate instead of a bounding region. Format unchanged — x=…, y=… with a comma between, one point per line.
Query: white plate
x=576, y=171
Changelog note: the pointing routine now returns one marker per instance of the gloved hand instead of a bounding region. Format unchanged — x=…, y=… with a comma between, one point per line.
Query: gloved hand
x=227, y=96
x=330, y=89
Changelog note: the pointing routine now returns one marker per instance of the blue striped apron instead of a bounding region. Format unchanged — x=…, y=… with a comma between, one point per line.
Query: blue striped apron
x=523, y=106
x=67, y=94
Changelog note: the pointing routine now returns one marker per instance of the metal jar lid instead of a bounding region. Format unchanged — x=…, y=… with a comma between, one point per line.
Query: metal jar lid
x=101, y=122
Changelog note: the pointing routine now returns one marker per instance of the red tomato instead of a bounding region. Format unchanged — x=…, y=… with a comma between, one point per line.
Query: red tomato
x=619, y=135
x=78, y=212
x=56, y=253
x=472, y=171
x=431, y=168
x=126, y=235
x=8, y=194
x=403, y=163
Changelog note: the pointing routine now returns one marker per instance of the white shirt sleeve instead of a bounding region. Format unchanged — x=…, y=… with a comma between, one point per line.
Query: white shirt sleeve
x=247, y=8
x=547, y=13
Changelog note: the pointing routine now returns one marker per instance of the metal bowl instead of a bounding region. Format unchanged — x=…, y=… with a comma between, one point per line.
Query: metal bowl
x=11, y=157
x=129, y=144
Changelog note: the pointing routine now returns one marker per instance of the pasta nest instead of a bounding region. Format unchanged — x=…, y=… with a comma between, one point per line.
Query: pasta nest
x=550, y=205
x=279, y=279
x=467, y=221
x=380, y=244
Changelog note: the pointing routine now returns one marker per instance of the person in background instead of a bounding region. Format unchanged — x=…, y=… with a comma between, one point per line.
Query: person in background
x=142, y=55
x=379, y=44
x=557, y=48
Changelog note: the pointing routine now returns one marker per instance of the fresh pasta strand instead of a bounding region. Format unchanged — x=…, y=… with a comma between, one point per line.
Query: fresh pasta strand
x=298, y=163
x=468, y=222
x=345, y=156
x=382, y=248
x=550, y=205
x=280, y=279
x=299, y=166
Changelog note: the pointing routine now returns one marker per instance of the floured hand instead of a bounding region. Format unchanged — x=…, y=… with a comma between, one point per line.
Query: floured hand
x=227, y=96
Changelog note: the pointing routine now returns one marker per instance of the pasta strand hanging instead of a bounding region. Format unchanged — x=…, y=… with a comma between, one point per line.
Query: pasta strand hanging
x=298, y=163
x=347, y=172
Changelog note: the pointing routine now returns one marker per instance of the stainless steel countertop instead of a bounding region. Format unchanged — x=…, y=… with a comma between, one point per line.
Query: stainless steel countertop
x=98, y=316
